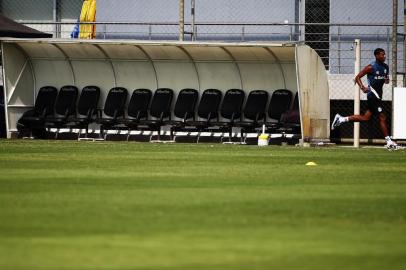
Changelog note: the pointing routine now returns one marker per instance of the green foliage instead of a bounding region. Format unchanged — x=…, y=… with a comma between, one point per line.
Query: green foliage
x=81, y=205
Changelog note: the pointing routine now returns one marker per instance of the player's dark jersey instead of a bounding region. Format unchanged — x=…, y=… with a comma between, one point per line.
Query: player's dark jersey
x=376, y=78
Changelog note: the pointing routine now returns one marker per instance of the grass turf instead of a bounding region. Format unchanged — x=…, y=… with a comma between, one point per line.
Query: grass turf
x=80, y=205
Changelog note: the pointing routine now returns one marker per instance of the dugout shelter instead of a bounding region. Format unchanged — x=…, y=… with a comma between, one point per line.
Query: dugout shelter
x=29, y=64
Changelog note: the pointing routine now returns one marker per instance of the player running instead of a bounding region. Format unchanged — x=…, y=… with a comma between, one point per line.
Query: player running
x=377, y=74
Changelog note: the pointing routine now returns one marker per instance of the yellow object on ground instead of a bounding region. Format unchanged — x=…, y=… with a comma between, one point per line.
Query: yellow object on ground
x=263, y=139
x=311, y=163
x=88, y=14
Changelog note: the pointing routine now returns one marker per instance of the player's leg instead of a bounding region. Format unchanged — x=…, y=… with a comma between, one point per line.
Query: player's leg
x=360, y=118
x=376, y=106
x=338, y=119
x=390, y=145
x=382, y=124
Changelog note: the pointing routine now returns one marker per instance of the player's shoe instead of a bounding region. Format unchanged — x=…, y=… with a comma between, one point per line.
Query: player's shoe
x=392, y=146
x=336, y=121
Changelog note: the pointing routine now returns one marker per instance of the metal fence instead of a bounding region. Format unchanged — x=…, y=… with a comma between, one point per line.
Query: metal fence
x=329, y=26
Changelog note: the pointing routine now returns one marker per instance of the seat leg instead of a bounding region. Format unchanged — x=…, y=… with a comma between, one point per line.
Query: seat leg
x=150, y=136
x=128, y=134
x=223, y=136
x=105, y=135
x=173, y=137
x=245, y=137
x=241, y=136
x=230, y=133
x=101, y=133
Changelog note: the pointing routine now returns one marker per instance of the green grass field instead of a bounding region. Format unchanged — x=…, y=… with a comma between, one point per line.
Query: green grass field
x=82, y=205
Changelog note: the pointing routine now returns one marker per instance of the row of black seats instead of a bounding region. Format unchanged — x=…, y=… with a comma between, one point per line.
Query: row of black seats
x=147, y=111
x=59, y=110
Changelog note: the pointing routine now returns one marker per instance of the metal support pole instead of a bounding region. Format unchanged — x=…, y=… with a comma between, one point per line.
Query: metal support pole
x=291, y=34
x=394, y=52
x=193, y=9
x=302, y=19
x=55, y=18
x=388, y=41
x=394, y=45
x=357, y=102
x=339, y=48
x=297, y=19
x=181, y=19
x=404, y=43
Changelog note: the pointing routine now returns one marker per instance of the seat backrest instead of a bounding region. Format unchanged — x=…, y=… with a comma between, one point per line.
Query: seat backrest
x=115, y=102
x=186, y=103
x=161, y=103
x=295, y=105
x=139, y=103
x=209, y=104
x=66, y=100
x=255, y=107
x=280, y=103
x=232, y=104
x=88, y=100
x=45, y=100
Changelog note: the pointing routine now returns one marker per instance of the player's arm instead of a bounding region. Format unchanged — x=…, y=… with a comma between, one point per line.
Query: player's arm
x=362, y=73
x=387, y=78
